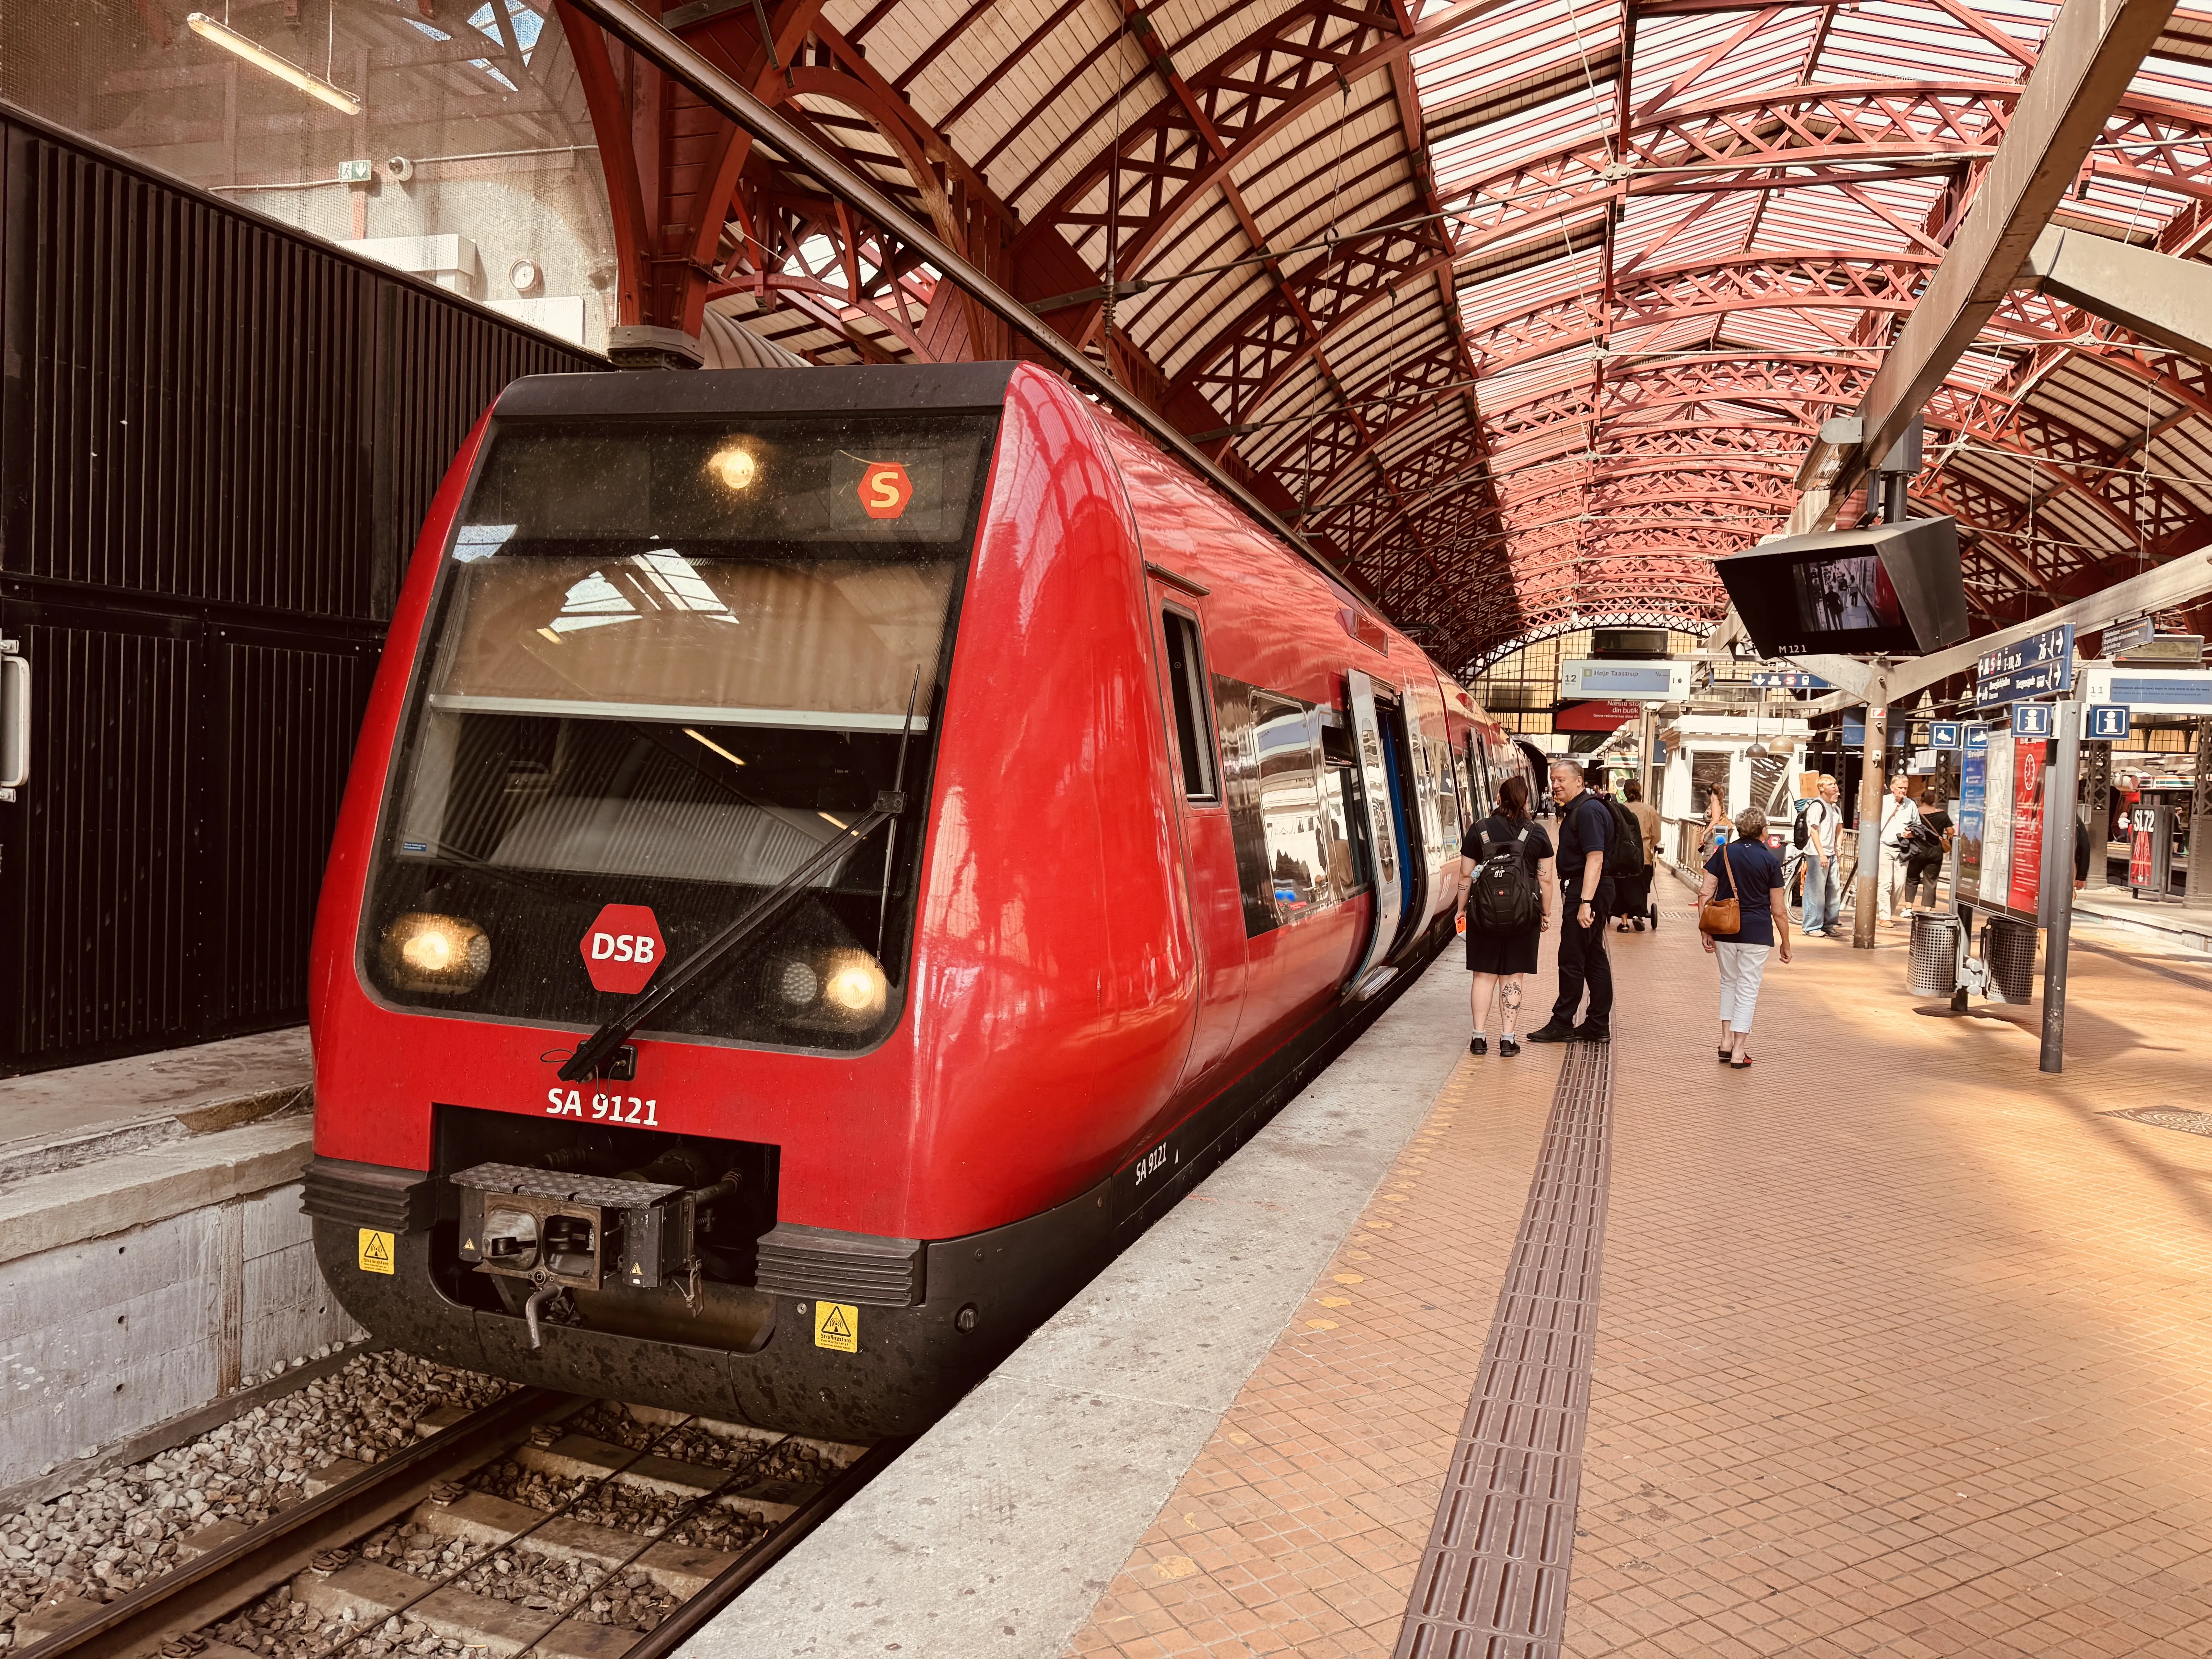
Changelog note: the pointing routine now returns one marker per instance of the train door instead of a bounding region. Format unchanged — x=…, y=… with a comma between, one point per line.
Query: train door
x=1385, y=837
x=1406, y=813
x=1217, y=904
x=1430, y=749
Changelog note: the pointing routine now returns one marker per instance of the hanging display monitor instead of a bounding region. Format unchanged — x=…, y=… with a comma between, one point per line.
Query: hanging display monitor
x=1891, y=589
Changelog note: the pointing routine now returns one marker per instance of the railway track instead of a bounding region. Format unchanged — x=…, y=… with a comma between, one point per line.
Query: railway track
x=544, y=1526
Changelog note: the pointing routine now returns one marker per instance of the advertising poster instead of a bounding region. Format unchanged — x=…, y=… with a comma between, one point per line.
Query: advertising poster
x=1973, y=784
x=2027, y=769
x=1997, y=821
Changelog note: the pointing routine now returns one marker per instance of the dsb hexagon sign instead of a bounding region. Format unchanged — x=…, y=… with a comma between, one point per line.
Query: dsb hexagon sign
x=623, y=948
x=885, y=489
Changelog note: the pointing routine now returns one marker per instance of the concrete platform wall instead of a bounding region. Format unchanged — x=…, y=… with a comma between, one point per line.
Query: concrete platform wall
x=193, y=1270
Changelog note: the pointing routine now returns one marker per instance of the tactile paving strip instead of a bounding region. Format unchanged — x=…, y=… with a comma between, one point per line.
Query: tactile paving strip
x=1493, y=1579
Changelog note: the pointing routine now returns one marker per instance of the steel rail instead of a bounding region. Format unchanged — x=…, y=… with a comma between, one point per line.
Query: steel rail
x=675, y=57
x=685, y=1621
x=199, y=1592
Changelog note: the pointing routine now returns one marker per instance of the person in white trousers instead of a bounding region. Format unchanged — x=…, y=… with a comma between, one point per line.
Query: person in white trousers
x=1747, y=871
x=1899, y=812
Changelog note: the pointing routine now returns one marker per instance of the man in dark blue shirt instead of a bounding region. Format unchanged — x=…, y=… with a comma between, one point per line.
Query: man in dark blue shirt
x=1584, y=838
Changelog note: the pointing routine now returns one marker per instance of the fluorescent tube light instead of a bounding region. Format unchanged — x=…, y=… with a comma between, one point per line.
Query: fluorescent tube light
x=313, y=85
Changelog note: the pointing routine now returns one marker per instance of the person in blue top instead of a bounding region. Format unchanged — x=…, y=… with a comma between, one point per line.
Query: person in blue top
x=1749, y=872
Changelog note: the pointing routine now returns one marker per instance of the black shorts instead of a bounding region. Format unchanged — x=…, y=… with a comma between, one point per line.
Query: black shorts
x=1502, y=953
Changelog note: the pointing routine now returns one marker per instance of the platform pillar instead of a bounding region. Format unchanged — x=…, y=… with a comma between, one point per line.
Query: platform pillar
x=1866, y=888
x=2198, y=891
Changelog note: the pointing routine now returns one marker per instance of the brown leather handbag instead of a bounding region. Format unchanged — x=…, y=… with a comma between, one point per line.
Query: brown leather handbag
x=1723, y=915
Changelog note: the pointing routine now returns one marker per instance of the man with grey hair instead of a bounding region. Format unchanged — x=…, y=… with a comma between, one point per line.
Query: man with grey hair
x=1585, y=838
x=1824, y=824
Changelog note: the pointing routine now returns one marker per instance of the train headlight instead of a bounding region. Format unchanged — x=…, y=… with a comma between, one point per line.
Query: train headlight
x=854, y=987
x=839, y=990
x=733, y=466
x=423, y=951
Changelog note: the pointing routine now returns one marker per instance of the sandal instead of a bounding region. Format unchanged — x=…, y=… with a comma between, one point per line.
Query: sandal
x=1741, y=1063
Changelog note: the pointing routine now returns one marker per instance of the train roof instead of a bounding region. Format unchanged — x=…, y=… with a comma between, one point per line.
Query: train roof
x=869, y=389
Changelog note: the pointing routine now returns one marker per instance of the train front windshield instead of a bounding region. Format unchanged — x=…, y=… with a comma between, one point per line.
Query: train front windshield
x=668, y=664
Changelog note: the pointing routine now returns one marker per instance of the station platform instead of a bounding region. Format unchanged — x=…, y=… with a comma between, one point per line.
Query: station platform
x=1894, y=1345
x=156, y=1271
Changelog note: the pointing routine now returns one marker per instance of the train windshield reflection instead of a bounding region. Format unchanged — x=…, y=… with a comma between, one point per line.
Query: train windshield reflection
x=668, y=665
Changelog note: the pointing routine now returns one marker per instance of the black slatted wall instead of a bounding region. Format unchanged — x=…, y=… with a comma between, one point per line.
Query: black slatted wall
x=218, y=439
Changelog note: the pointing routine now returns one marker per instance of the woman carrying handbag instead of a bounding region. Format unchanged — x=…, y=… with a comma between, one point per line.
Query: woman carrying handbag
x=1742, y=934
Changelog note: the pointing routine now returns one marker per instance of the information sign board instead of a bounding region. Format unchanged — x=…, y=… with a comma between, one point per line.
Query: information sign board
x=1972, y=813
x=1978, y=739
x=2036, y=666
x=2107, y=721
x=1791, y=679
x=1997, y=821
x=2025, y=889
x=1944, y=734
x=2125, y=636
x=2031, y=719
x=2151, y=690
x=1657, y=680
x=2002, y=842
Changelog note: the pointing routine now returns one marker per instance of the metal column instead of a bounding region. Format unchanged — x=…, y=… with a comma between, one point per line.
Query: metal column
x=2096, y=776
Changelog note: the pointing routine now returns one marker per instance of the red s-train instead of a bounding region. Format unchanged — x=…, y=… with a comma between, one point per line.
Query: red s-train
x=1066, y=824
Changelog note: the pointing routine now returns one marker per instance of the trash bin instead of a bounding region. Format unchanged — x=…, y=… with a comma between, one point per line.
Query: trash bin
x=2009, y=947
x=1935, y=969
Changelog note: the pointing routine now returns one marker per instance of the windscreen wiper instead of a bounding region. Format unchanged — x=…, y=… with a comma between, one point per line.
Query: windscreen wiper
x=606, y=1042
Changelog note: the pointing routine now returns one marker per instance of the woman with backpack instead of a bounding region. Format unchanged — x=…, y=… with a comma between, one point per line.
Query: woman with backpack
x=1505, y=903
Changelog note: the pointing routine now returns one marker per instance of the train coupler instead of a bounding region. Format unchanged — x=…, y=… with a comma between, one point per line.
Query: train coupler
x=562, y=1231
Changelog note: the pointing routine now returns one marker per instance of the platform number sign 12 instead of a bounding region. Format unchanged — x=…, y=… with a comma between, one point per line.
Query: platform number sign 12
x=2031, y=719
x=2108, y=721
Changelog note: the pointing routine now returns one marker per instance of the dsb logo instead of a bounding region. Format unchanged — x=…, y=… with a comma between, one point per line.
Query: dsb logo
x=622, y=948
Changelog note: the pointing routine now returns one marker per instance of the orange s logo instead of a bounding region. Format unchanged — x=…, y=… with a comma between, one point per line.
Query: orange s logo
x=885, y=489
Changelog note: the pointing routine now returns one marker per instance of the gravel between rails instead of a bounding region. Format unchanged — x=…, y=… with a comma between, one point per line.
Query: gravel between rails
x=279, y=1627
x=116, y=1531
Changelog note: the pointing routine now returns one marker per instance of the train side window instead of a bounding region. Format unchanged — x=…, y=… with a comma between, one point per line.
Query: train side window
x=1293, y=816
x=1346, y=822
x=1187, y=684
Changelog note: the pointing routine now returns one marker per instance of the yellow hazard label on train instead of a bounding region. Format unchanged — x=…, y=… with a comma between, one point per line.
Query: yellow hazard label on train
x=376, y=1251
x=837, y=1325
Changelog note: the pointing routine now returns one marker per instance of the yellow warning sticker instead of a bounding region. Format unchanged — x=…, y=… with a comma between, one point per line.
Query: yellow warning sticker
x=837, y=1325
x=376, y=1250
